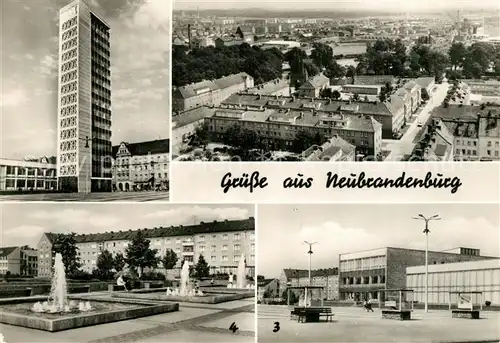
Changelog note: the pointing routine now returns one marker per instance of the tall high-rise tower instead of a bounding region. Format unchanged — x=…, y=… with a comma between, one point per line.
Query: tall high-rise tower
x=84, y=101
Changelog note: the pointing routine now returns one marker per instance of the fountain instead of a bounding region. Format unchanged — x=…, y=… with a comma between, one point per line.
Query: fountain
x=241, y=280
x=187, y=293
x=58, y=297
x=61, y=312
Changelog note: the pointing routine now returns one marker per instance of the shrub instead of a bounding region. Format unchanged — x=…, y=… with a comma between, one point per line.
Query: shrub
x=487, y=303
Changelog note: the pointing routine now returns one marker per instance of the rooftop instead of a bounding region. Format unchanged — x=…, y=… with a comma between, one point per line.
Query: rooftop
x=172, y=231
x=160, y=146
x=325, y=105
x=6, y=251
x=190, y=116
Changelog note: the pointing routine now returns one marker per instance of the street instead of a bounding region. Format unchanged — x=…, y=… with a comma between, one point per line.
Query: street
x=404, y=146
x=91, y=197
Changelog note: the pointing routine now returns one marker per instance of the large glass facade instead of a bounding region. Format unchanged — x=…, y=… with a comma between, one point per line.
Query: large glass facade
x=101, y=101
x=440, y=284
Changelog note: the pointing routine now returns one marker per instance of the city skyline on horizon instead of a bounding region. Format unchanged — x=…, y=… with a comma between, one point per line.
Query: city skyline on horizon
x=350, y=228
x=416, y=6
x=24, y=224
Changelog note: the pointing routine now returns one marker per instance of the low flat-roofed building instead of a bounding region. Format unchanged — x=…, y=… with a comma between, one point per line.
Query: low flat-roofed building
x=366, y=274
x=468, y=276
x=373, y=79
x=362, y=89
x=28, y=174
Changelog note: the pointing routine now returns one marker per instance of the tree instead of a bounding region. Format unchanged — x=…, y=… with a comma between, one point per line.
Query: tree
x=260, y=278
x=202, y=268
x=65, y=244
x=202, y=134
x=139, y=255
x=325, y=93
x=336, y=95
x=104, y=265
x=355, y=97
x=305, y=139
x=119, y=262
x=322, y=55
x=457, y=54
x=170, y=259
x=334, y=70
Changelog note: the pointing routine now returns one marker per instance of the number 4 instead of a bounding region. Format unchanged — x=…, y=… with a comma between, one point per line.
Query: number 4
x=233, y=327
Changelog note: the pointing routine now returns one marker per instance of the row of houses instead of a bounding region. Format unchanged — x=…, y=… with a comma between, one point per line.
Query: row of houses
x=134, y=167
x=368, y=274
x=221, y=243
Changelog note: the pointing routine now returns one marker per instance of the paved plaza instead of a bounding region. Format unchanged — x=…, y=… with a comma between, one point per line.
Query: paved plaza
x=90, y=197
x=353, y=324
x=192, y=323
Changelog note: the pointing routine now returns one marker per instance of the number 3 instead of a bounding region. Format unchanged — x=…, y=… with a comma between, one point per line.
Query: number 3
x=276, y=327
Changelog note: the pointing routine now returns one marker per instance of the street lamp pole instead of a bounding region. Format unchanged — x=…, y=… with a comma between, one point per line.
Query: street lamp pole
x=426, y=231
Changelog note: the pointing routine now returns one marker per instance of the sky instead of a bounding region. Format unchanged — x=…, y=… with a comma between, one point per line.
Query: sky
x=24, y=224
x=382, y=5
x=350, y=228
x=29, y=56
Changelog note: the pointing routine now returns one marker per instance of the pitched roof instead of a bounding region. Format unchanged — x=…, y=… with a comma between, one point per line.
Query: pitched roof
x=201, y=228
x=205, y=86
x=231, y=80
x=303, y=273
x=324, y=105
x=190, y=116
x=316, y=81
x=329, y=149
x=6, y=251
x=159, y=146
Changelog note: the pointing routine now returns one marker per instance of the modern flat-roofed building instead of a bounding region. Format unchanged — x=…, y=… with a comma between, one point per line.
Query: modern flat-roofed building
x=366, y=274
x=471, y=276
x=362, y=89
x=221, y=243
x=84, y=101
x=28, y=174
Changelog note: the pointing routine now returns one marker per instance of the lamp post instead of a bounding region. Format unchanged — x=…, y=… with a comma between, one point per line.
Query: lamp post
x=426, y=231
x=310, y=255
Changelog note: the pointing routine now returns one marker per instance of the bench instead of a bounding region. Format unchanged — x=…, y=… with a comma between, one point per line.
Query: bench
x=312, y=314
x=113, y=287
